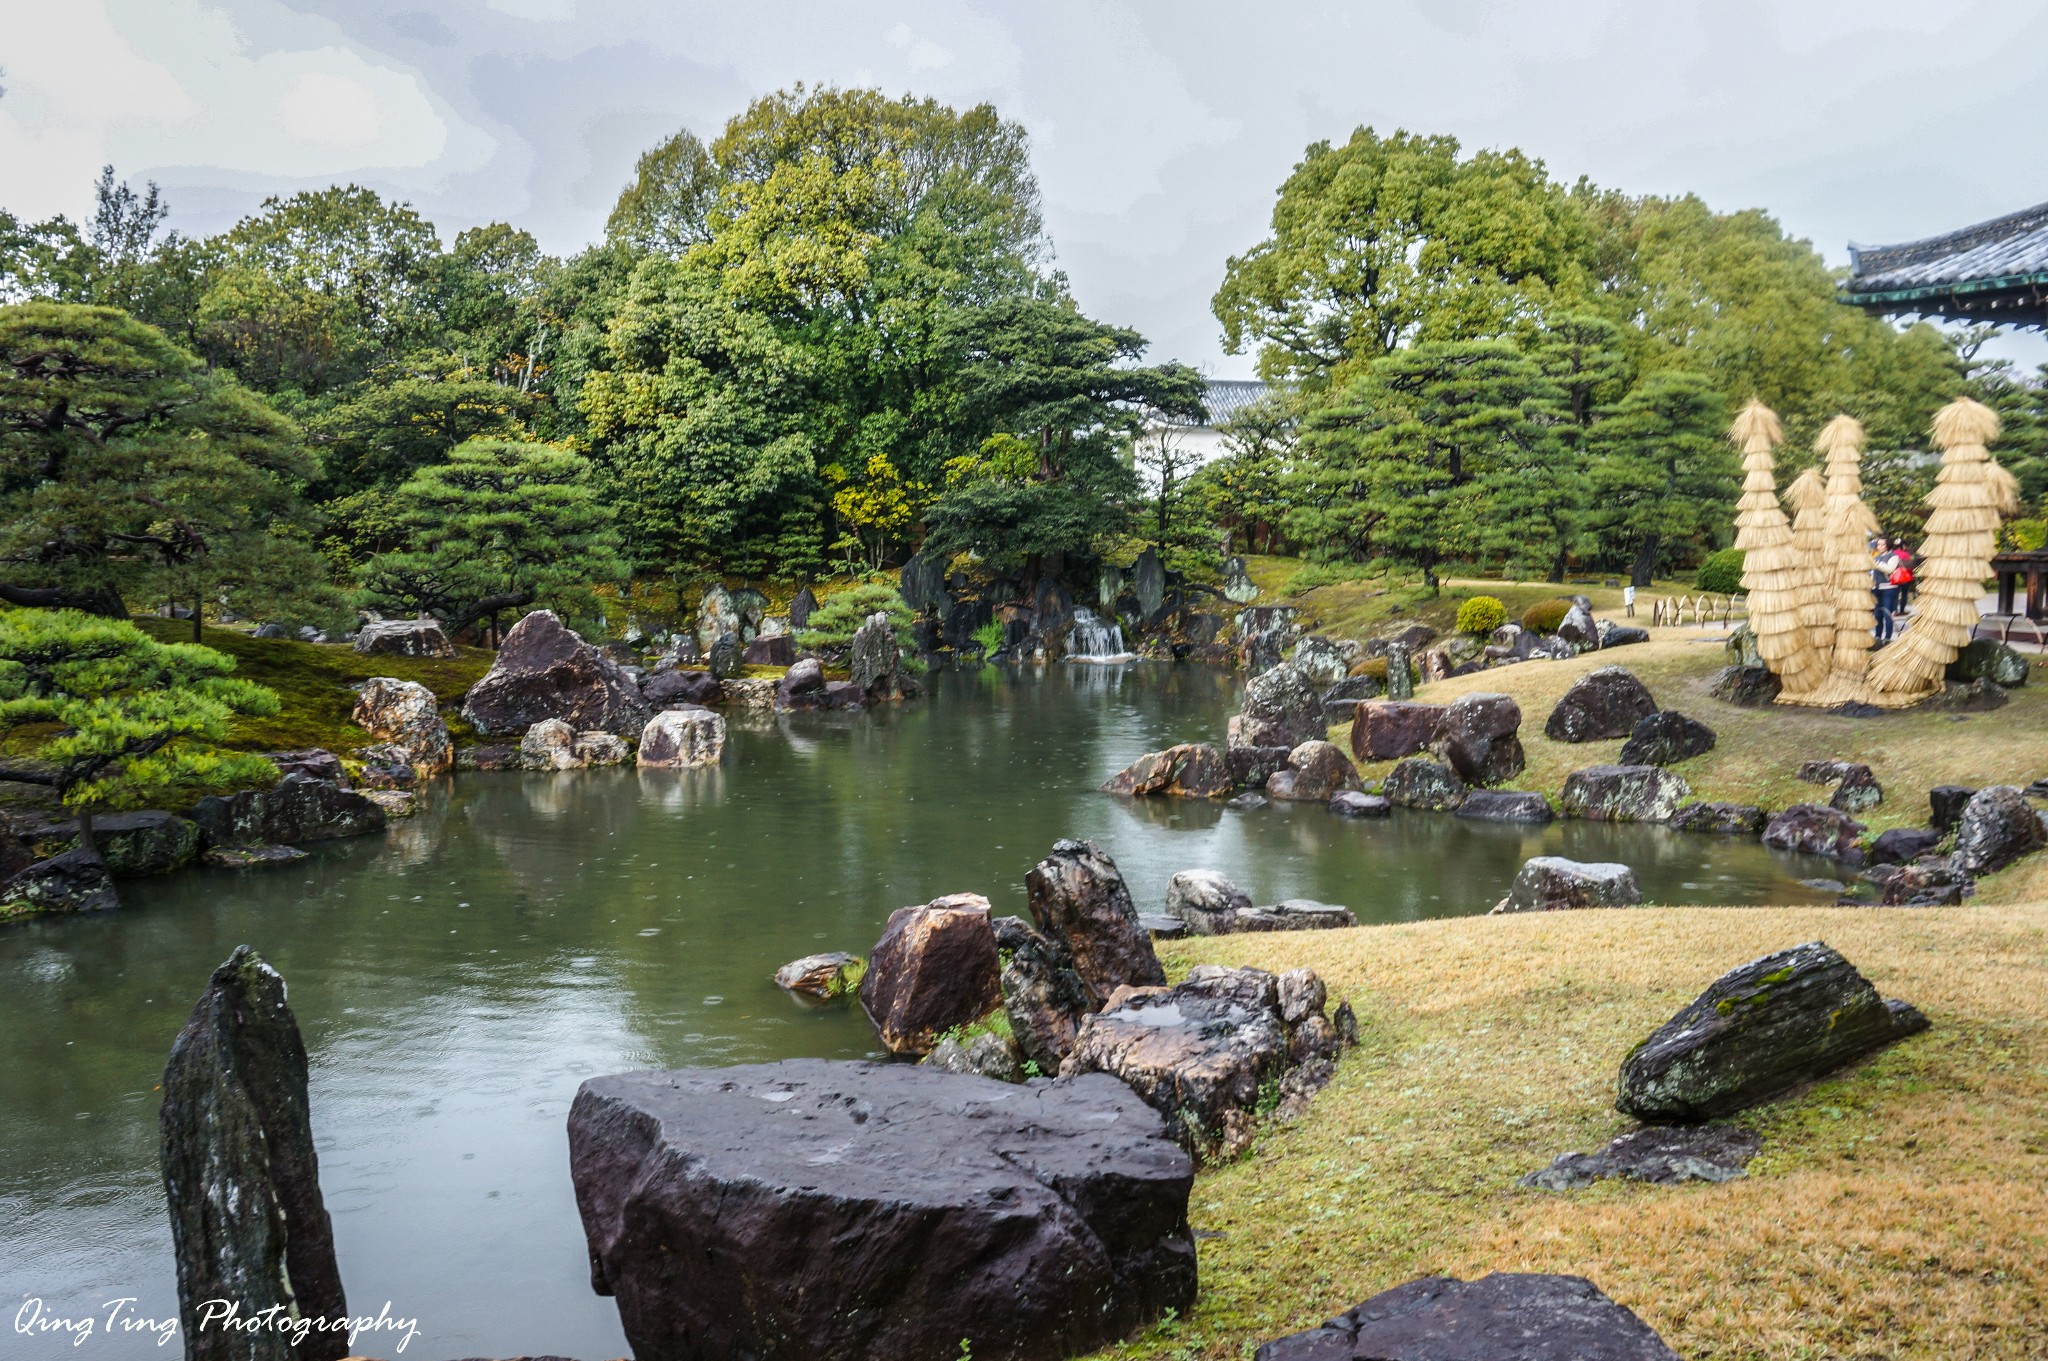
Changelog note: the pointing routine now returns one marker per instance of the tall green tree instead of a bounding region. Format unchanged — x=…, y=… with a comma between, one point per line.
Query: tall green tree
x=1663, y=471
x=135, y=721
x=499, y=526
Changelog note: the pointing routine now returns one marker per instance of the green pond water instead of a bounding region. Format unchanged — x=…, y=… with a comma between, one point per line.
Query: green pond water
x=457, y=977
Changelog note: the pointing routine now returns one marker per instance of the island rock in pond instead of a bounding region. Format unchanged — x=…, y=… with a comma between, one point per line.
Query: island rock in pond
x=1193, y=770
x=1079, y=898
x=682, y=737
x=544, y=670
x=828, y=1210
x=297, y=808
x=934, y=968
x=405, y=715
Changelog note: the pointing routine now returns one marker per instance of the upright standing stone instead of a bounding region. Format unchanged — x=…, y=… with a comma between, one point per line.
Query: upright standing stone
x=1400, y=680
x=1148, y=583
x=800, y=609
x=871, y=659
x=247, y=1221
x=1080, y=899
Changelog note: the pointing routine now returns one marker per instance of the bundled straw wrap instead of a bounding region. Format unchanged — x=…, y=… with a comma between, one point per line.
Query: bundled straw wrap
x=1808, y=497
x=1970, y=496
x=1771, y=569
x=1850, y=525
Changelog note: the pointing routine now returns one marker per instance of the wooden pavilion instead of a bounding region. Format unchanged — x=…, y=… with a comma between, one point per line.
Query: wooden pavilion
x=1996, y=271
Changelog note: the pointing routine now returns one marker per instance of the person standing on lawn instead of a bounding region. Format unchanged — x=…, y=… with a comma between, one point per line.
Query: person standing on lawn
x=1884, y=565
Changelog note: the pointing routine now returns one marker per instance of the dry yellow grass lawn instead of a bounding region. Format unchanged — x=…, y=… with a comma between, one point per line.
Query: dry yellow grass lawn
x=1899, y=1209
x=1760, y=749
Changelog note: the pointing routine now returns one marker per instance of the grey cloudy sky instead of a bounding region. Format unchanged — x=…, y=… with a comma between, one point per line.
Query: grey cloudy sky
x=1160, y=130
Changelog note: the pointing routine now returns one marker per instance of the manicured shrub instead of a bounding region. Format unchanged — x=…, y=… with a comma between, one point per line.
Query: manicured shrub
x=1481, y=614
x=1721, y=573
x=1376, y=667
x=1545, y=615
x=833, y=623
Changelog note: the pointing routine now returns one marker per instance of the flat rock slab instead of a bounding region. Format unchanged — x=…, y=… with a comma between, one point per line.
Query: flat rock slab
x=1505, y=805
x=1758, y=1030
x=1550, y=883
x=857, y=1211
x=1623, y=794
x=1507, y=1316
x=1656, y=1153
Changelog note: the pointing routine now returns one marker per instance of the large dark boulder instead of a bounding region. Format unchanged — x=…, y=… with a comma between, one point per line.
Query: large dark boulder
x=1811, y=829
x=1550, y=883
x=247, y=1221
x=75, y=881
x=1501, y=1317
x=1997, y=827
x=666, y=688
x=1419, y=782
x=1505, y=805
x=1251, y=767
x=544, y=670
x=297, y=808
x=1747, y=687
x=934, y=968
x=1757, y=1031
x=1989, y=659
x=1945, y=805
x=1078, y=898
x=1724, y=819
x=770, y=649
x=1315, y=771
x=1193, y=770
x=1623, y=794
x=872, y=658
x=131, y=844
x=1600, y=704
x=822, y=976
x=1391, y=730
x=1665, y=738
x=863, y=1212
x=1477, y=737
x=800, y=608
x=1283, y=707
x=1902, y=844
x=1042, y=995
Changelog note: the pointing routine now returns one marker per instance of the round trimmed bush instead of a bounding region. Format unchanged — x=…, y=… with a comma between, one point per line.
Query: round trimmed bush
x=1721, y=573
x=1481, y=614
x=1545, y=615
x=1375, y=667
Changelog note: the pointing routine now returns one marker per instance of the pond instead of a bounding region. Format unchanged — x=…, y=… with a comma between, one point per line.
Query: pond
x=458, y=977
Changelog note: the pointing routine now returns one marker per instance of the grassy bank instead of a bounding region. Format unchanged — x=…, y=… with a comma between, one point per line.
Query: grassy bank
x=315, y=684
x=1898, y=1210
x=1379, y=604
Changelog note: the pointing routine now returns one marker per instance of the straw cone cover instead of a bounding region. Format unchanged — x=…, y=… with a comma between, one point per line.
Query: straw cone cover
x=1771, y=568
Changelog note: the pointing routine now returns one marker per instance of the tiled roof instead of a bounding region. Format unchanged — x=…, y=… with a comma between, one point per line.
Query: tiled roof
x=1224, y=398
x=2003, y=252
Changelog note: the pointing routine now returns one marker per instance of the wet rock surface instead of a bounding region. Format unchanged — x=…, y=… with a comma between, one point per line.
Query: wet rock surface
x=1501, y=1317
x=544, y=670
x=296, y=809
x=1477, y=736
x=1283, y=707
x=552, y=744
x=1623, y=794
x=681, y=738
x=1989, y=659
x=132, y=844
x=1724, y=819
x=1665, y=738
x=1758, y=1031
x=1663, y=1154
x=1997, y=827
x=677, y=686
x=1945, y=805
x=73, y=881
x=934, y=968
x=1350, y=803
x=821, y=975
x=1505, y=805
x=1902, y=844
x=873, y=657
x=1193, y=770
x=240, y=1172
x=1419, y=782
x=1600, y=704
x=814, y=1209
x=1550, y=883
x=1078, y=897
x=1206, y=901
x=405, y=715
x=1812, y=829
x=1390, y=730
x=1315, y=771
x=1043, y=996
x=986, y=1055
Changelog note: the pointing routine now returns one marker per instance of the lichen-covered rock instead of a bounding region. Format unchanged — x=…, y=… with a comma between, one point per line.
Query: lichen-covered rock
x=1283, y=707
x=1501, y=1317
x=986, y=1055
x=1725, y=819
x=403, y=638
x=1757, y=1031
x=1351, y=803
x=1550, y=883
x=1477, y=736
x=1505, y=805
x=1251, y=767
x=385, y=765
x=822, y=975
x=680, y=738
x=1989, y=659
x=677, y=686
x=75, y=881
x=317, y=762
x=296, y=809
x=1206, y=901
x=1997, y=827
x=1042, y=995
x=934, y=968
x=241, y=1174
x=1315, y=771
x=553, y=745
x=405, y=715
x=251, y=857
x=1665, y=738
x=1623, y=794
x=1858, y=792
x=1392, y=730
x=1600, y=704
x=873, y=656
x=1578, y=628
x=1192, y=770
x=1747, y=687
x=1078, y=898
x=877, y=1212
x=1419, y=782
x=131, y=844
x=491, y=756
x=543, y=671
x=1662, y=1154
x=1811, y=829
x=396, y=803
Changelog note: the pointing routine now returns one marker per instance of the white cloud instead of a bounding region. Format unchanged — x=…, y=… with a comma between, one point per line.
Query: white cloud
x=320, y=107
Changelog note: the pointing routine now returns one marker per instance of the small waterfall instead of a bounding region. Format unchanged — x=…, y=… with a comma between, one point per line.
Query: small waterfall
x=1092, y=640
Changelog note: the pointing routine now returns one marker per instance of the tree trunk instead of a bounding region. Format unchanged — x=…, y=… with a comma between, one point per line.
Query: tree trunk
x=198, y=617
x=488, y=606
x=85, y=841
x=1556, y=568
x=100, y=600
x=1646, y=562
